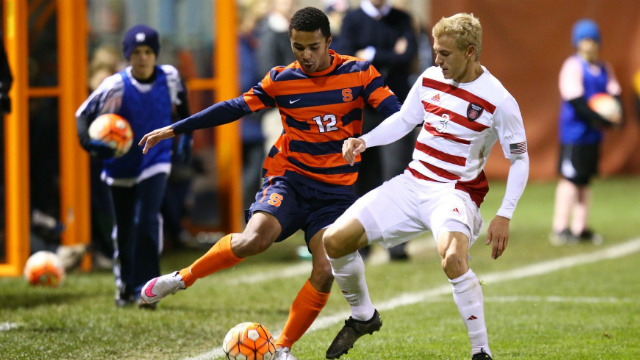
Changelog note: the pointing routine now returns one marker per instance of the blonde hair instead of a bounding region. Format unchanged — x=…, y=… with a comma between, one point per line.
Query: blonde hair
x=464, y=28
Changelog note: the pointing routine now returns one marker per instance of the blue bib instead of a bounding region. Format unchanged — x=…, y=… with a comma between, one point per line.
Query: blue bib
x=573, y=129
x=145, y=112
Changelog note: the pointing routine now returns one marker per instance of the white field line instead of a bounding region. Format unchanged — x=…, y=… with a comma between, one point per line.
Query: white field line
x=378, y=256
x=545, y=299
x=561, y=299
x=612, y=252
x=421, y=244
x=287, y=272
x=5, y=326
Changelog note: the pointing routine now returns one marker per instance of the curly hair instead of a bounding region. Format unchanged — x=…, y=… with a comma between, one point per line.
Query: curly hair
x=310, y=19
x=464, y=28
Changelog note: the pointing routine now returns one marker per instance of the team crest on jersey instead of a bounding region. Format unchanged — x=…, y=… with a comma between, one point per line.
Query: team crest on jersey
x=474, y=111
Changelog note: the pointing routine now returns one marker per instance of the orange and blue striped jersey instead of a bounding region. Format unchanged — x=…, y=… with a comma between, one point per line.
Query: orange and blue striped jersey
x=318, y=112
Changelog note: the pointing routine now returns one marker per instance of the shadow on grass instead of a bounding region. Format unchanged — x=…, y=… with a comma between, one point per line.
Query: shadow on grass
x=222, y=310
x=282, y=252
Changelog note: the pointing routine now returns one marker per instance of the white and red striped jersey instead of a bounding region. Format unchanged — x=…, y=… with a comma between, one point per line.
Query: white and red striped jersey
x=460, y=124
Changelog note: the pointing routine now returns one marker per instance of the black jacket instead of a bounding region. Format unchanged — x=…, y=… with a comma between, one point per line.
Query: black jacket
x=359, y=30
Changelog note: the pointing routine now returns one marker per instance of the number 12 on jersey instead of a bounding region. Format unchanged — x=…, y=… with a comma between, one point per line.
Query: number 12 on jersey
x=326, y=123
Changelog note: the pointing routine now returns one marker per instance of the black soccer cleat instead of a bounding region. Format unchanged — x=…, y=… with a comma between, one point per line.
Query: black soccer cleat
x=481, y=356
x=351, y=331
x=588, y=235
x=564, y=237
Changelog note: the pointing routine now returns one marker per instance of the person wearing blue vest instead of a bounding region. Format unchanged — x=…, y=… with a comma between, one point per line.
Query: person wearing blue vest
x=582, y=75
x=146, y=95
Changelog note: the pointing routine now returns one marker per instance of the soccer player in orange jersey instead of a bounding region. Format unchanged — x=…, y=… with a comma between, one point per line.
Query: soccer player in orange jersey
x=307, y=182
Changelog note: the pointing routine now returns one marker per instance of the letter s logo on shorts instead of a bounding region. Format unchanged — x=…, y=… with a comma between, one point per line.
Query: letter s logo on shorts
x=275, y=199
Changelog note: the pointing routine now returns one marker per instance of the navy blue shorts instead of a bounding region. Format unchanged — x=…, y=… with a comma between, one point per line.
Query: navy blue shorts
x=298, y=206
x=579, y=162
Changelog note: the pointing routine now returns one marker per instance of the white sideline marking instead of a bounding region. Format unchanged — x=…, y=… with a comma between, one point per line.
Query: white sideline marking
x=547, y=299
x=378, y=256
x=562, y=299
x=612, y=252
x=6, y=326
x=290, y=271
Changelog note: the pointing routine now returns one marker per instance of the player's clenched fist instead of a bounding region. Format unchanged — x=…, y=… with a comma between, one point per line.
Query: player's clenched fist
x=154, y=137
x=351, y=148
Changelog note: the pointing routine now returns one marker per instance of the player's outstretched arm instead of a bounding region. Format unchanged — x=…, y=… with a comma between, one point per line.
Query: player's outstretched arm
x=498, y=234
x=151, y=139
x=351, y=148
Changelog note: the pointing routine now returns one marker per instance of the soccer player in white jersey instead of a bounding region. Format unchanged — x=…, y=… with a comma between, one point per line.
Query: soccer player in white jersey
x=463, y=110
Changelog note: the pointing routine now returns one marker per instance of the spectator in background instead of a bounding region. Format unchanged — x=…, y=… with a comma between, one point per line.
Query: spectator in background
x=145, y=94
x=106, y=61
x=274, y=46
x=274, y=49
x=6, y=79
x=44, y=170
x=423, y=36
x=336, y=10
x=174, y=207
x=253, y=139
x=582, y=75
x=384, y=36
x=425, y=51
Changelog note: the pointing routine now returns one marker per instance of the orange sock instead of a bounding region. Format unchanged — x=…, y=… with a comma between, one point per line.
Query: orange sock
x=304, y=311
x=219, y=257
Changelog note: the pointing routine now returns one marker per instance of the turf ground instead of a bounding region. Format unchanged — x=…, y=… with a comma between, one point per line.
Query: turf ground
x=541, y=302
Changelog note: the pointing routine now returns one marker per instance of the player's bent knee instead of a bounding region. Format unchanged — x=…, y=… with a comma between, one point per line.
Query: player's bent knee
x=454, y=265
x=344, y=237
x=250, y=244
x=333, y=244
x=322, y=276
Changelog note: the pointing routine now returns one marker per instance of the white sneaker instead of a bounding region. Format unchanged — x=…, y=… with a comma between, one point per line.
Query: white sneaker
x=284, y=353
x=157, y=288
x=71, y=255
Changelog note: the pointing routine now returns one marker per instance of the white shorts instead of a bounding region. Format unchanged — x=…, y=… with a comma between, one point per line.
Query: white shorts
x=405, y=207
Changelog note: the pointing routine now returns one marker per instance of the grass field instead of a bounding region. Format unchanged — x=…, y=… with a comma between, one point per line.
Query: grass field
x=541, y=302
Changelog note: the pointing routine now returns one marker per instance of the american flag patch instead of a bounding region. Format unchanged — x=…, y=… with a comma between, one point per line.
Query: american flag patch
x=518, y=148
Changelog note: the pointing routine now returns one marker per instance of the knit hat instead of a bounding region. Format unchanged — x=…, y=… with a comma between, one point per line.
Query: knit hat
x=585, y=29
x=140, y=35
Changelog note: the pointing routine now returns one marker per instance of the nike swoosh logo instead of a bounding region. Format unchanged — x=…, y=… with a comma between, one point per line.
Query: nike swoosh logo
x=293, y=101
x=147, y=290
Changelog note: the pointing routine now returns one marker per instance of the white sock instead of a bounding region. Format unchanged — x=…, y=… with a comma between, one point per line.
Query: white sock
x=349, y=274
x=467, y=294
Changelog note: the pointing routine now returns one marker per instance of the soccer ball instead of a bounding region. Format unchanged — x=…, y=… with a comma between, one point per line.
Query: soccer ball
x=249, y=341
x=605, y=105
x=44, y=268
x=114, y=130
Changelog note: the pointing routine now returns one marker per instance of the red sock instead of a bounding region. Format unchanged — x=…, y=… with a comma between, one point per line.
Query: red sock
x=304, y=311
x=219, y=257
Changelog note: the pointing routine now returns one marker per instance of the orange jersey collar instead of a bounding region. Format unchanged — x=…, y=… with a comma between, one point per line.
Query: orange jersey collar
x=334, y=64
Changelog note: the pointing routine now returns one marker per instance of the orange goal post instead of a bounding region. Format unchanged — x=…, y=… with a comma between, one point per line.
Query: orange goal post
x=71, y=90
